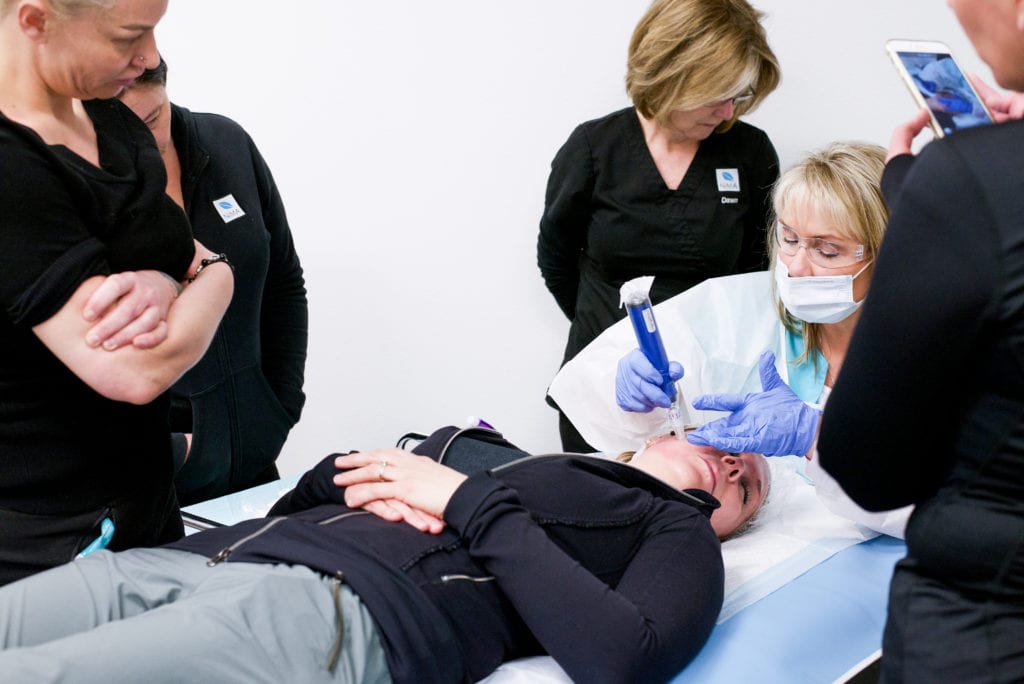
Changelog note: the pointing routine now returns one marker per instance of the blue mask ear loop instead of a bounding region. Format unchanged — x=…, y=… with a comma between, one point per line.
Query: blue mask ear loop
x=100, y=542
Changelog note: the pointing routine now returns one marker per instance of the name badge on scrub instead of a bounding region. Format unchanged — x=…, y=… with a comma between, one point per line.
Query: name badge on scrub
x=228, y=208
x=728, y=180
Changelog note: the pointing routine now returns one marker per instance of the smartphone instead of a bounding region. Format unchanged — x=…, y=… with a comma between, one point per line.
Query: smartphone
x=937, y=82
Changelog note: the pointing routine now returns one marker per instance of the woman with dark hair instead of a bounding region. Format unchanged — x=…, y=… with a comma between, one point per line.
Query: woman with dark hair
x=232, y=411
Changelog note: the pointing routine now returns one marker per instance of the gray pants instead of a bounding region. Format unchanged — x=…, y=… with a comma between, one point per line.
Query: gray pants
x=160, y=615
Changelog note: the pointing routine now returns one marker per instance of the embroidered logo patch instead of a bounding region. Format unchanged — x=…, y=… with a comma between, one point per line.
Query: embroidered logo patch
x=228, y=208
x=728, y=180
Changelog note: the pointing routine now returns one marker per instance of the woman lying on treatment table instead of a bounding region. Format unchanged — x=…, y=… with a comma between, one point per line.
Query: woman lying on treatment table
x=615, y=570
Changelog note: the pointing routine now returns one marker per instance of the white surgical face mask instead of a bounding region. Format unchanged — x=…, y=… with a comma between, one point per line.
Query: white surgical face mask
x=817, y=299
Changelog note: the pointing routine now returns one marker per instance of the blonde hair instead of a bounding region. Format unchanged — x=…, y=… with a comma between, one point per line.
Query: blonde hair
x=627, y=456
x=841, y=183
x=64, y=8
x=686, y=54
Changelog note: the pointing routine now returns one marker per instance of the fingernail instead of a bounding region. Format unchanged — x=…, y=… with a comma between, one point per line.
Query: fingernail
x=89, y=314
x=92, y=339
x=110, y=345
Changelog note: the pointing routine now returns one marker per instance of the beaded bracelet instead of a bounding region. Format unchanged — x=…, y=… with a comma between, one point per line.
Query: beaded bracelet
x=206, y=262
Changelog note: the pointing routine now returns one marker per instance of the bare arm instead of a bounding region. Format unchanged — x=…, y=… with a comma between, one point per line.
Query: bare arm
x=129, y=373
x=130, y=308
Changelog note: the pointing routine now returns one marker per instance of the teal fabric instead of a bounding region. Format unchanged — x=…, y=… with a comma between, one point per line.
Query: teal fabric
x=807, y=379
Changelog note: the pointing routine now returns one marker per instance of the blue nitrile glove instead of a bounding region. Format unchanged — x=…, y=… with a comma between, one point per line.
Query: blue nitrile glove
x=639, y=385
x=774, y=422
x=954, y=103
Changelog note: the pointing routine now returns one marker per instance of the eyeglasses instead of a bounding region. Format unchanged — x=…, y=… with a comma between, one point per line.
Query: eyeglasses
x=820, y=252
x=736, y=100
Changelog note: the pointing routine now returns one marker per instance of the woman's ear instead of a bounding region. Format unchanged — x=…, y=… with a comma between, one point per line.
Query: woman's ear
x=32, y=17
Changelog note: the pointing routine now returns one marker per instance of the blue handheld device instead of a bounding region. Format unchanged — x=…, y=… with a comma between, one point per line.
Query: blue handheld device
x=649, y=338
x=636, y=298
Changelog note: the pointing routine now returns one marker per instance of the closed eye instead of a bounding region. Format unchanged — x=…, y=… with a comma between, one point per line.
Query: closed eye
x=152, y=118
x=828, y=249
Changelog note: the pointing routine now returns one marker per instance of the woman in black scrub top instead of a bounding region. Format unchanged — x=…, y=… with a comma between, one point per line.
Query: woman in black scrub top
x=106, y=298
x=674, y=186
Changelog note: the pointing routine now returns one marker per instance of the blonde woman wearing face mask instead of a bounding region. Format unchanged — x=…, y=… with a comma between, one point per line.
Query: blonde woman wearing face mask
x=98, y=319
x=830, y=219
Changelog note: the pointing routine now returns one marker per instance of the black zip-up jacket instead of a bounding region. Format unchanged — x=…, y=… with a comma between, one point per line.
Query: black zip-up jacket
x=244, y=396
x=945, y=319
x=612, y=572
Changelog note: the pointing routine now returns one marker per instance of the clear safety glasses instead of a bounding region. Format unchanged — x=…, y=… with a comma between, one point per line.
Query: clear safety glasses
x=820, y=252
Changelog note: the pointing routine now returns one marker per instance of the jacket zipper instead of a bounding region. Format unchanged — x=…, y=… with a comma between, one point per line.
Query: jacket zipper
x=466, y=578
x=223, y=554
x=341, y=516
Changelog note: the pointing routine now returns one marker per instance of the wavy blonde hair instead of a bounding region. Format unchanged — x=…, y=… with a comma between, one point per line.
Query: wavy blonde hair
x=686, y=54
x=627, y=456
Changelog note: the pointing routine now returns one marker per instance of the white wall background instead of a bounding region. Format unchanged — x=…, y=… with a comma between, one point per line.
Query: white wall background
x=411, y=141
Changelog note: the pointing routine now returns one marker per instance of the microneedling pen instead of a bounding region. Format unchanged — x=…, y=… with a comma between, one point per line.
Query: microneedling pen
x=635, y=296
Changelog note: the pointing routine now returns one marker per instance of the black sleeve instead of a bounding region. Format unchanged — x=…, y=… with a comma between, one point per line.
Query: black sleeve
x=895, y=403
x=566, y=220
x=764, y=171
x=284, y=315
x=896, y=171
x=314, y=488
x=646, y=629
x=46, y=248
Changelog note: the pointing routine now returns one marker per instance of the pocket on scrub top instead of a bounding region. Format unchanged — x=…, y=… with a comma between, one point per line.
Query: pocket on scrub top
x=236, y=435
x=263, y=425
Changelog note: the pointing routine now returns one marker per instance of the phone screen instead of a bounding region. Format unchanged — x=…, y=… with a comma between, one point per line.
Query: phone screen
x=945, y=90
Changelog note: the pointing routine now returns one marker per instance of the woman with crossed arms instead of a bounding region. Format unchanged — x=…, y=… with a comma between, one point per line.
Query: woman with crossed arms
x=107, y=299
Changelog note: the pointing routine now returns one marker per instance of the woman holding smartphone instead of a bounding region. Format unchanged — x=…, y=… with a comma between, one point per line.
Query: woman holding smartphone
x=929, y=409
